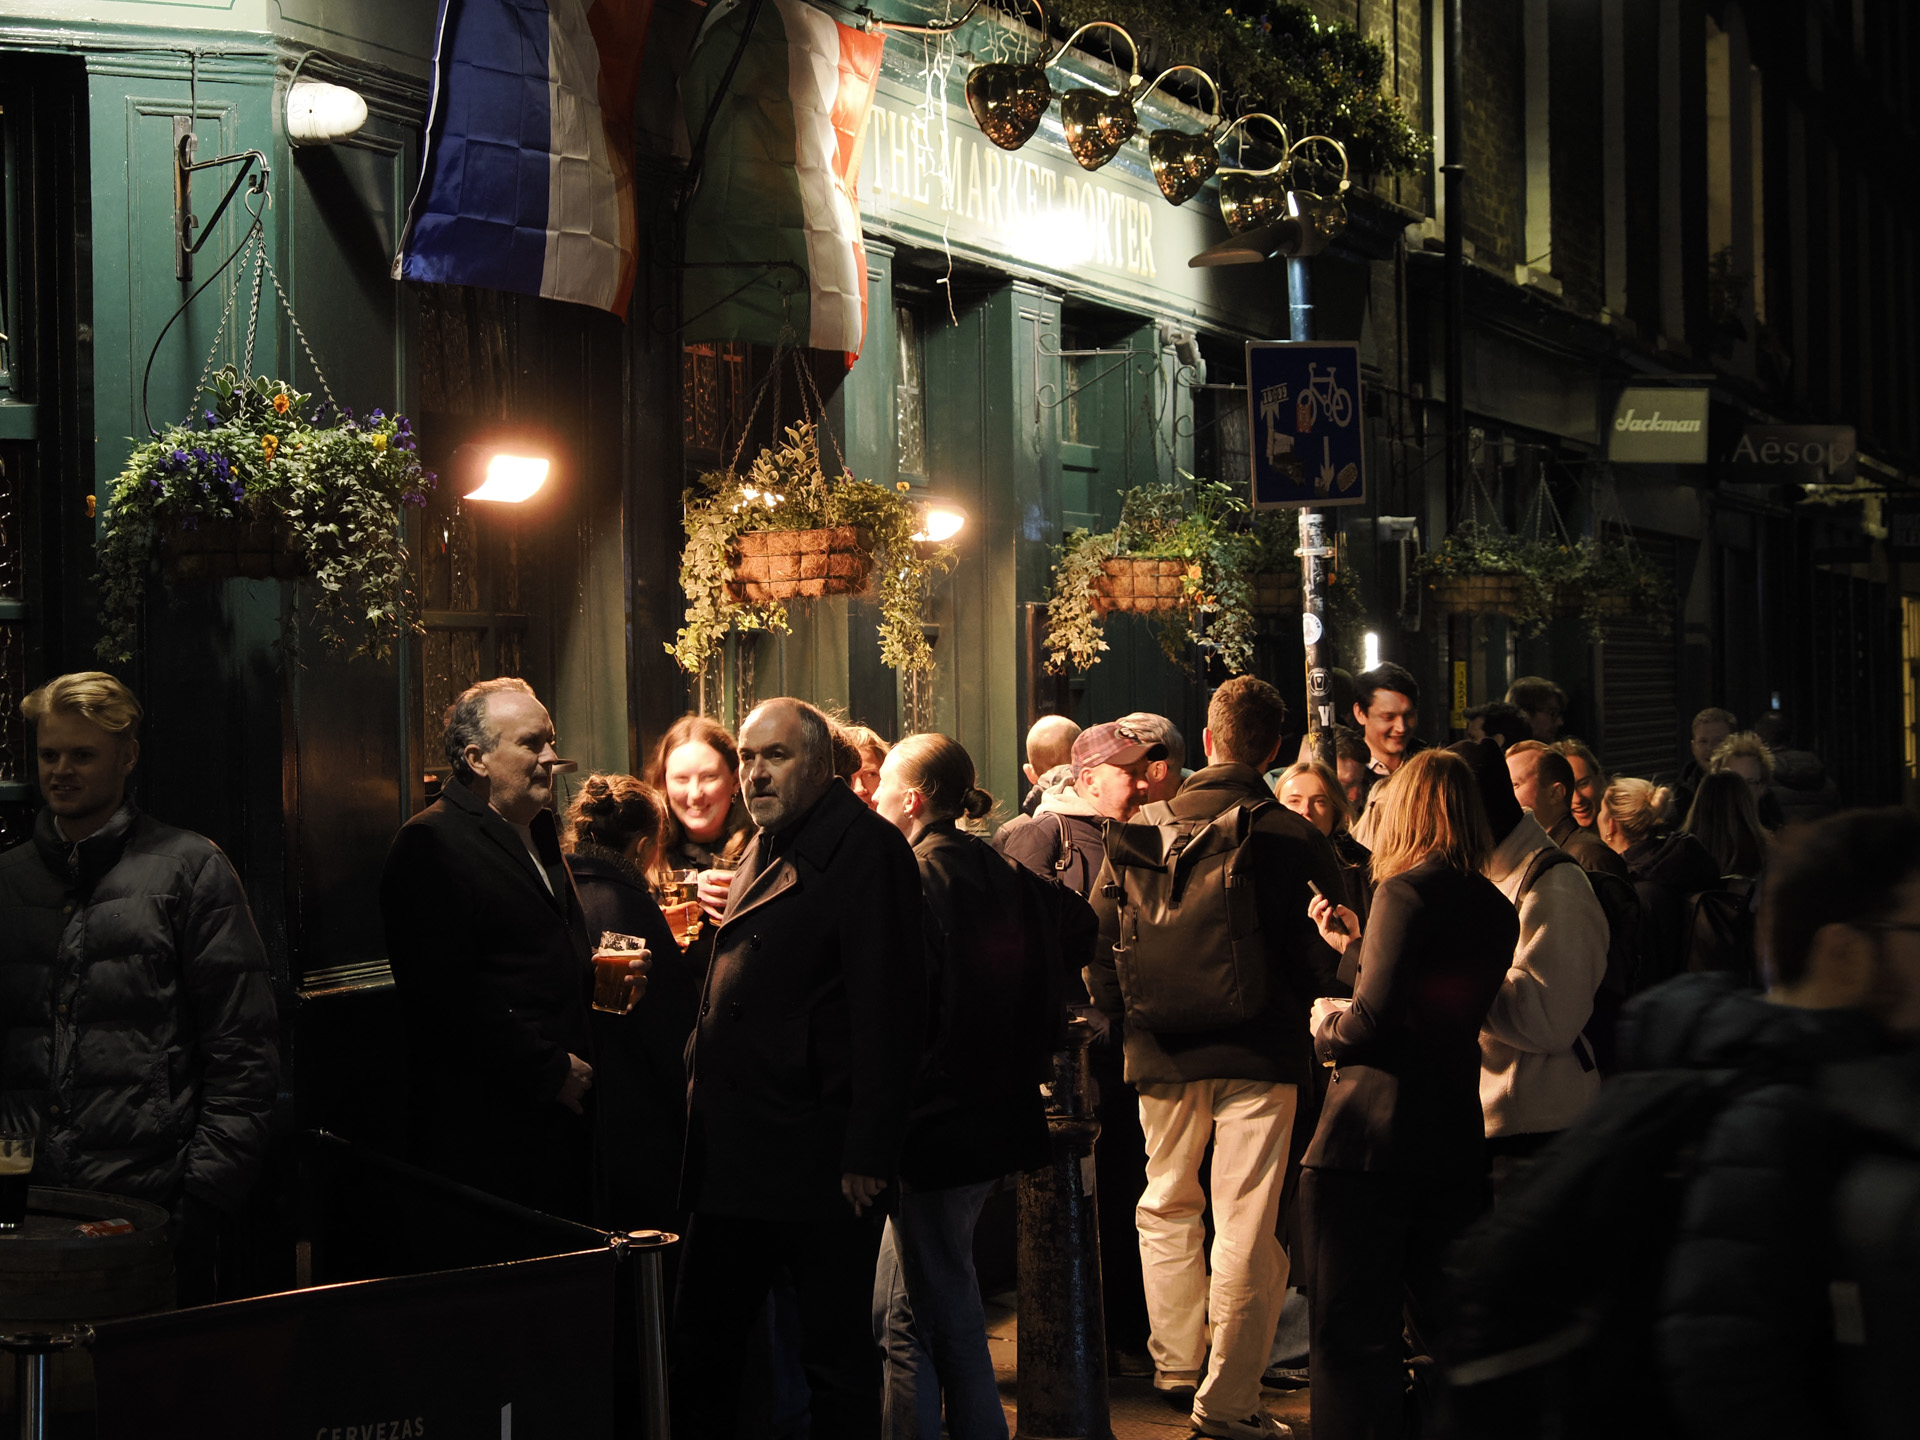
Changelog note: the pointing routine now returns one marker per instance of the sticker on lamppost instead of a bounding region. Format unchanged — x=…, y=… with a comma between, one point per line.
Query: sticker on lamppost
x=1304, y=409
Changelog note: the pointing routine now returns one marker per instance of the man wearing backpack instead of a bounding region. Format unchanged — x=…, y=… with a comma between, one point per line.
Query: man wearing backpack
x=1213, y=966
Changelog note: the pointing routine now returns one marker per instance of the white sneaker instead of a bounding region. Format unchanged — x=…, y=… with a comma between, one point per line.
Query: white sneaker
x=1257, y=1426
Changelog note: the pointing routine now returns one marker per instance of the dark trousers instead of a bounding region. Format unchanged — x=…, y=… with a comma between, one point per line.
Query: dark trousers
x=725, y=1277
x=1120, y=1178
x=1377, y=1242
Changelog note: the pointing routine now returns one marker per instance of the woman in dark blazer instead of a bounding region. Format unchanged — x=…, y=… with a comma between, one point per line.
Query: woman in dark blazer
x=1395, y=1168
x=639, y=1074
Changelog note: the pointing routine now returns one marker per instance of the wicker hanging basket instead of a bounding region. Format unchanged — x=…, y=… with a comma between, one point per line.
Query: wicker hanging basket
x=233, y=550
x=1479, y=594
x=1594, y=604
x=800, y=564
x=1276, y=592
x=1139, y=586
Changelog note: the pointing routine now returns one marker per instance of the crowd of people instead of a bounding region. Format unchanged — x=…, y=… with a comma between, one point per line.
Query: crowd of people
x=1370, y=1017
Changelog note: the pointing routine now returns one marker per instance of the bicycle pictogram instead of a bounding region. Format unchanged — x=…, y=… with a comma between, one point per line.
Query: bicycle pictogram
x=1325, y=394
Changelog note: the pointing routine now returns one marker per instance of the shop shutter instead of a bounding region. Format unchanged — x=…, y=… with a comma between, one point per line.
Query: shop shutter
x=1640, y=685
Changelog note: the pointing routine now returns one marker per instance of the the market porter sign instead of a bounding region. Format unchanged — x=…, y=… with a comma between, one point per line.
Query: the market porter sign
x=1659, y=426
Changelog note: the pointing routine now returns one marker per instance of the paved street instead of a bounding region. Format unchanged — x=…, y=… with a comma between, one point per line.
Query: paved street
x=1138, y=1413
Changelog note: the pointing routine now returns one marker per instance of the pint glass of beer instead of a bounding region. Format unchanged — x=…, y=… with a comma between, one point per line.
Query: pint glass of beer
x=16, y=1167
x=611, y=989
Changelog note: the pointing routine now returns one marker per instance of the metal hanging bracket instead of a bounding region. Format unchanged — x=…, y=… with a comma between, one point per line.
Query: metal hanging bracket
x=185, y=142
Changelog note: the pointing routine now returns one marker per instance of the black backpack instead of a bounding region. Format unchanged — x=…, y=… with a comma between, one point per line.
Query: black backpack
x=1555, y=1294
x=1190, y=955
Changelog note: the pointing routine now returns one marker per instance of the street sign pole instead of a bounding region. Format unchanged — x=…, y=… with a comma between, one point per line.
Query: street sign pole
x=1313, y=552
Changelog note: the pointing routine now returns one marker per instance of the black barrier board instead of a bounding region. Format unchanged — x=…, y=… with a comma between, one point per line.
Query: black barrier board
x=521, y=1350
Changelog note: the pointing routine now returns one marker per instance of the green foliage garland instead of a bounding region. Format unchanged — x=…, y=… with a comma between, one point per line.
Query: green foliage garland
x=336, y=489
x=785, y=488
x=1587, y=575
x=1320, y=79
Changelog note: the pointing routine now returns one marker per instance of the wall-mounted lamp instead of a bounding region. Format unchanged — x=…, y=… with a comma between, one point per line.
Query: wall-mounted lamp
x=1370, y=651
x=1098, y=124
x=1182, y=162
x=940, y=521
x=506, y=477
x=319, y=114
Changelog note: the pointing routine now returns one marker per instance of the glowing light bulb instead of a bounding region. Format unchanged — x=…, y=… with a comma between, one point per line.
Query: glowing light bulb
x=1370, y=645
x=512, y=478
x=940, y=521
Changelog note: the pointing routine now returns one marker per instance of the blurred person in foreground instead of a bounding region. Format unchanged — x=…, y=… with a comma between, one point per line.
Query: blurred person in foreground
x=800, y=1080
x=612, y=838
x=1397, y=1165
x=1001, y=946
x=138, y=1035
x=492, y=960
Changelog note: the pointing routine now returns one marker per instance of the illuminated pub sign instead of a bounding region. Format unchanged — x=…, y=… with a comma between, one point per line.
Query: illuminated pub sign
x=1108, y=232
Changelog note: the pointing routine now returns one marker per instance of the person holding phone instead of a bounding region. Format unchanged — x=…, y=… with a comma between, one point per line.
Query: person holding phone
x=1395, y=1168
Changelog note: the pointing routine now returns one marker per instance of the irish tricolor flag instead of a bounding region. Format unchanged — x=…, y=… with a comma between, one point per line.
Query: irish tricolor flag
x=526, y=183
x=778, y=177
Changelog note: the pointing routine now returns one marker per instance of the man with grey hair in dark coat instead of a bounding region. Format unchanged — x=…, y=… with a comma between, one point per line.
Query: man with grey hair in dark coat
x=493, y=962
x=812, y=1025
x=137, y=1024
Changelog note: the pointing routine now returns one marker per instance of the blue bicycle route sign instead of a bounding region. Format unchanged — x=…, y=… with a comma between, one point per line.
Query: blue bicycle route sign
x=1303, y=402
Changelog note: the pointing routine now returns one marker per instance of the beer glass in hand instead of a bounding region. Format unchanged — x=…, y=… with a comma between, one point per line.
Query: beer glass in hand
x=616, y=986
x=16, y=1169
x=679, y=907
x=711, y=887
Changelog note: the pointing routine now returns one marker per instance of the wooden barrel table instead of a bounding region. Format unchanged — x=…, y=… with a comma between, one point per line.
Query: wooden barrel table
x=55, y=1277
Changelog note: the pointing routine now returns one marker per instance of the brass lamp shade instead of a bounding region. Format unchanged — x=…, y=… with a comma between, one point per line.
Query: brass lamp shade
x=1182, y=163
x=1248, y=198
x=1097, y=125
x=1008, y=101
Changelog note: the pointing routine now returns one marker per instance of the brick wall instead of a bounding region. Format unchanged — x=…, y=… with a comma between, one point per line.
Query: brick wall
x=1579, y=191
x=1494, y=73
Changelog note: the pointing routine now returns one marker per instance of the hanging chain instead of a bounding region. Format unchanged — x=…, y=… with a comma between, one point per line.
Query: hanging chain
x=294, y=319
x=253, y=315
x=233, y=290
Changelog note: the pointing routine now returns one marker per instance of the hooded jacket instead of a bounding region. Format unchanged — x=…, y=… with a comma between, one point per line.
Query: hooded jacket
x=1536, y=1075
x=1061, y=839
x=137, y=1022
x=1745, y=1329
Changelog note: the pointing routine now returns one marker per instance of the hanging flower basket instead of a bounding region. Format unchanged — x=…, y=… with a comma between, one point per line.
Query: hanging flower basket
x=1594, y=605
x=1276, y=592
x=1479, y=594
x=771, y=565
x=233, y=550
x=1139, y=586
x=268, y=488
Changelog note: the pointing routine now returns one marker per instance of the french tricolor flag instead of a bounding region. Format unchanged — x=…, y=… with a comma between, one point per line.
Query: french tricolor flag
x=527, y=179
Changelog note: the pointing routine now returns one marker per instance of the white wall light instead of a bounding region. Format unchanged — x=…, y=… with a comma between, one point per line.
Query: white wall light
x=1370, y=651
x=940, y=520
x=319, y=114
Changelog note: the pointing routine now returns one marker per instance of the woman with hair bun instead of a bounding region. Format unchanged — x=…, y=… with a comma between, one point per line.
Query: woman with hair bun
x=639, y=1077
x=1666, y=865
x=1000, y=945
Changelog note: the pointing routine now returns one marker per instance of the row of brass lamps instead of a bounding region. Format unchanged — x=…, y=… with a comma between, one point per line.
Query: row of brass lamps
x=1009, y=99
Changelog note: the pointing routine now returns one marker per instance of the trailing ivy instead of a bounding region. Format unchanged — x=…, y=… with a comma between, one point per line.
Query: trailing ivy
x=1319, y=79
x=335, y=486
x=785, y=488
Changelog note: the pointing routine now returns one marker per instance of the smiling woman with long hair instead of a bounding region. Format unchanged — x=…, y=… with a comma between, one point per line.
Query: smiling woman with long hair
x=1394, y=1172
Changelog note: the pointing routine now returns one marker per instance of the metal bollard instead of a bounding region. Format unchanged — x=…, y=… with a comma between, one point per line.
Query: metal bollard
x=646, y=1247
x=31, y=1368
x=1062, y=1351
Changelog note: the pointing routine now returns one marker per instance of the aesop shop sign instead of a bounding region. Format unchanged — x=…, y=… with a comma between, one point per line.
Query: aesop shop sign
x=1800, y=454
x=1656, y=425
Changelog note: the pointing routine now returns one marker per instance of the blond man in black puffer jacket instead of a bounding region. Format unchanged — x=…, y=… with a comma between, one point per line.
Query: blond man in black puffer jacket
x=137, y=1022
